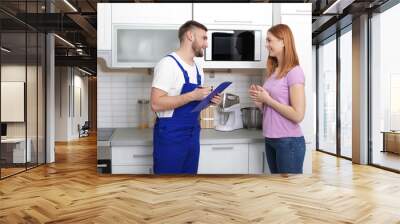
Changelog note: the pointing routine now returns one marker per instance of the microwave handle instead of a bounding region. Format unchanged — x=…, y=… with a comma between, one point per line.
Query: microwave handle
x=207, y=55
x=257, y=45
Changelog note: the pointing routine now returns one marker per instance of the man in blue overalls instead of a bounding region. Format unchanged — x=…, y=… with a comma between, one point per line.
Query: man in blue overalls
x=175, y=92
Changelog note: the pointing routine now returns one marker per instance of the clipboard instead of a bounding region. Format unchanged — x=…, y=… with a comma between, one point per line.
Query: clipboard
x=207, y=100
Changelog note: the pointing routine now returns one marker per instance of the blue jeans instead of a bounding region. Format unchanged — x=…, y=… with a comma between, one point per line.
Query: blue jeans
x=285, y=155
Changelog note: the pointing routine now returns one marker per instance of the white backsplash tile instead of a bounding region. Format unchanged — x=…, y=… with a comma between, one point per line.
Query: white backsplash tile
x=118, y=92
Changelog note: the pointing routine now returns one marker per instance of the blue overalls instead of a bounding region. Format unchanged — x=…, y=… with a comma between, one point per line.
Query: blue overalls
x=176, y=139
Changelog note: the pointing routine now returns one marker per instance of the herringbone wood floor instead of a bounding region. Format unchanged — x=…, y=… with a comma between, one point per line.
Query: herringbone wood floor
x=70, y=191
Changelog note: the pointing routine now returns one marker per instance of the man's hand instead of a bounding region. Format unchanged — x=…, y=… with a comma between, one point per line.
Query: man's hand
x=200, y=93
x=216, y=100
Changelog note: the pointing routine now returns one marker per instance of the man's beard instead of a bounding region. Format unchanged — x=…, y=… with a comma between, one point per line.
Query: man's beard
x=198, y=51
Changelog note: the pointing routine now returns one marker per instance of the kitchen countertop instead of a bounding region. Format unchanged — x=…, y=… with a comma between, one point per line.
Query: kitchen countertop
x=104, y=134
x=144, y=137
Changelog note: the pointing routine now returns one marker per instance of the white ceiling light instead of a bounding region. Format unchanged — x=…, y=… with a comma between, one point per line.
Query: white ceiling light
x=5, y=50
x=86, y=72
x=70, y=5
x=64, y=40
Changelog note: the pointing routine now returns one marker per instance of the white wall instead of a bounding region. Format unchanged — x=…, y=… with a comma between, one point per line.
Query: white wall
x=79, y=117
x=67, y=81
x=61, y=103
x=313, y=110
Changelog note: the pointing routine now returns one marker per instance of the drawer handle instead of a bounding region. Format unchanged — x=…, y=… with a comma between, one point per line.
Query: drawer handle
x=145, y=155
x=223, y=148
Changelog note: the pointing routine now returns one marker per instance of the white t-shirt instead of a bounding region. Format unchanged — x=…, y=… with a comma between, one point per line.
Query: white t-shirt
x=169, y=78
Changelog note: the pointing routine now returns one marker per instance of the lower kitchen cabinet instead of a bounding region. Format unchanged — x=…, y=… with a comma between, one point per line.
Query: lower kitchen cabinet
x=120, y=169
x=224, y=159
x=132, y=159
x=257, y=159
x=214, y=159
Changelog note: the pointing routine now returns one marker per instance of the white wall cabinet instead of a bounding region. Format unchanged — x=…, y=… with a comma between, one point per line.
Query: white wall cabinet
x=224, y=159
x=298, y=18
x=142, y=46
x=235, y=16
x=150, y=13
x=240, y=16
x=103, y=26
x=233, y=13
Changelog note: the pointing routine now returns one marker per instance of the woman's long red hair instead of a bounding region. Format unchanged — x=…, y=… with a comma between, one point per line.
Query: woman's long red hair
x=290, y=59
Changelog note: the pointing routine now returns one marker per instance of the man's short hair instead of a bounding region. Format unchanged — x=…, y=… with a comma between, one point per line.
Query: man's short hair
x=189, y=25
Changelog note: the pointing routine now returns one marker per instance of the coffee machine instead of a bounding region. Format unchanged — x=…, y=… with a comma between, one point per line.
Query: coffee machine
x=228, y=116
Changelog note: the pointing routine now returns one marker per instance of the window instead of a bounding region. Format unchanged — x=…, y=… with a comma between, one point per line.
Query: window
x=327, y=97
x=385, y=89
x=346, y=93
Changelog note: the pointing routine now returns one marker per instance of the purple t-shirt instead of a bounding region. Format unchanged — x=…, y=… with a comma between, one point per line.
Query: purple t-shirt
x=274, y=124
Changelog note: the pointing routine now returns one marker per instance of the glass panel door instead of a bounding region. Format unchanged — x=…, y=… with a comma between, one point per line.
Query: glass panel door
x=327, y=97
x=13, y=92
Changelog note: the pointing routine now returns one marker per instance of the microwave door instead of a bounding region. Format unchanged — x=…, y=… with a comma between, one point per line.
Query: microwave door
x=237, y=45
x=220, y=45
x=245, y=45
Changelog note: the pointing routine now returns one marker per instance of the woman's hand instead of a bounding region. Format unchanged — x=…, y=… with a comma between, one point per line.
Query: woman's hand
x=259, y=95
x=258, y=104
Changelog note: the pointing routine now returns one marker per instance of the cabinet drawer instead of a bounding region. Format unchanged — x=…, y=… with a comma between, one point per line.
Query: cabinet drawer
x=131, y=169
x=138, y=155
x=223, y=159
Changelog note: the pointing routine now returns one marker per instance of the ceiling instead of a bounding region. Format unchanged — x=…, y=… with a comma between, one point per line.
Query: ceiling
x=77, y=23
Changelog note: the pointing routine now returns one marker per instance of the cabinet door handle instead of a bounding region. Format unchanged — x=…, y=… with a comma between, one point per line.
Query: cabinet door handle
x=141, y=156
x=223, y=148
x=233, y=21
x=303, y=10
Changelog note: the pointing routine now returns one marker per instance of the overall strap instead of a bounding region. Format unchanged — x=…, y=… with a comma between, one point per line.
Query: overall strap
x=183, y=70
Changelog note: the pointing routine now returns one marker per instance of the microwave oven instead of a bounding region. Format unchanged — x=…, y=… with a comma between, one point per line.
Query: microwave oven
x=234, y=45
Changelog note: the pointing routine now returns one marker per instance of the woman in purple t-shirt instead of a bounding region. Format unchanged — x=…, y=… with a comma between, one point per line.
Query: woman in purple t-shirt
x=282, y=101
